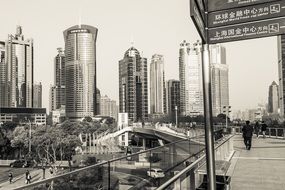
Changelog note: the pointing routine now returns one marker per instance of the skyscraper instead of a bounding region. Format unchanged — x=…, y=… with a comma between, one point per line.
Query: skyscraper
x=220, y=81
x=273, y=98
x=190, y=76
x=37, y=100
x=19, y=75
x=80, y=67
x=108, y=107
x=281, y=71
x=173, y=97
x=157, y=85
x=133, y=89
x=3, y=94
x=57, y=91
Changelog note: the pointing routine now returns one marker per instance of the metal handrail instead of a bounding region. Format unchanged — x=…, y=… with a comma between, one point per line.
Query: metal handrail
x=188, y=168
x=100, y=164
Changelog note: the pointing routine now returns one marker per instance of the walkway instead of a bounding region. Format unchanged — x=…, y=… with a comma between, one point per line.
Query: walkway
x=261, y=168
x=20, y=180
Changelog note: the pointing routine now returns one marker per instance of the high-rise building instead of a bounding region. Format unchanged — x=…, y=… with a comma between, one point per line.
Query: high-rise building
x=3, y=83
x=173, y=97
x=108, y=107
x=59, y=78
x=19, y=75
x=133, y=89
x=273, y=98
x=52, y=98
x=98, y=102
x=80, y=67
x=157, y=85
x=37, y=98
x=281, y=71
x=190, y=76
x=220, y=81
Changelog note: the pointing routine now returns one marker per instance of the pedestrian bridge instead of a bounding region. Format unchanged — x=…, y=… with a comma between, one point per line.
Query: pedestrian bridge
x=261, y=168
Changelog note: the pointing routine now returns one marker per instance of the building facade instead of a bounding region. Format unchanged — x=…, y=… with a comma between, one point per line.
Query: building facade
x=281, y=73
x=133, y=88
x=80, y=67
x=3, y=83
x=157, y=85
x=190, y=76
x=108, y=107
x=173, y=97
x=19, y=70
x=37, y=98
x=273, y=98
x=220, y=81
x=33, y=116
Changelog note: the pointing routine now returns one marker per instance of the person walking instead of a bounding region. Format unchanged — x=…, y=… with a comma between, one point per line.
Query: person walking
x=247, y=132
x=263, y=128
x=257, y=129
x=27, y=176
x=10, y=177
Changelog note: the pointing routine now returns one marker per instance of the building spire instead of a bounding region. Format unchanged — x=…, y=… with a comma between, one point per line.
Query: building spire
x=132, y=41
x=79, y=19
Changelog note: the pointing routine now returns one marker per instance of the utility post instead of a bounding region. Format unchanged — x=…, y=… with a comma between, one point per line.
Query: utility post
x=227, y=110
x=176, y=109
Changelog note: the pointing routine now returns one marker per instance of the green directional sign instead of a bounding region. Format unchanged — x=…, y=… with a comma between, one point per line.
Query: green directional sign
x=247, y=14
x=264, y=28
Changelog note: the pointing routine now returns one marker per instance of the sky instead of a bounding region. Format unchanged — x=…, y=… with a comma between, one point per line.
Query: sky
x=155, y=27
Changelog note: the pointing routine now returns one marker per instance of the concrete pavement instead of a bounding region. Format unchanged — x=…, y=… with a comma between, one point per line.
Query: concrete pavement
x=261, y=168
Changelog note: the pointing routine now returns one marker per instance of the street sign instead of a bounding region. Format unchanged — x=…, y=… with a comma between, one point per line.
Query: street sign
x=264, y=28
x=247, y=14
x=197, y=19
x=216, y=5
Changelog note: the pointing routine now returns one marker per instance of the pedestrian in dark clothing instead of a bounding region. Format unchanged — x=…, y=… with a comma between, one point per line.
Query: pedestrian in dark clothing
x=27, y=176
x=10, y=177
x=257, y=129
x=247, y=132
x=263, y=128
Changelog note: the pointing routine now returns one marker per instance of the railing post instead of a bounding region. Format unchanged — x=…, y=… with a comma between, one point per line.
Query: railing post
x=177, y=183
x=269, y=132
x=276, y=133
x=192, y=179
x=283, y=133
x=109, y=176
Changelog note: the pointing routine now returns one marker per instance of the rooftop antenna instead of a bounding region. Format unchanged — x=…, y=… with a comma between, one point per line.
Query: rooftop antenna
x=79, y=19
x=132, y=41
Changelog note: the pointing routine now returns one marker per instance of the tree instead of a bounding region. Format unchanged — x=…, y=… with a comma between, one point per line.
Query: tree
x=20, y=140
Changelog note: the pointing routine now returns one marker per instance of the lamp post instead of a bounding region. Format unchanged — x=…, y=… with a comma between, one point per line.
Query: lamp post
x=30, y=135
x=176, y=109
x=226, y=109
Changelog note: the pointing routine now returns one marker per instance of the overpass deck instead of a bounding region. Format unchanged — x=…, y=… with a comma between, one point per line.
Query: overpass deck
x=262, y=167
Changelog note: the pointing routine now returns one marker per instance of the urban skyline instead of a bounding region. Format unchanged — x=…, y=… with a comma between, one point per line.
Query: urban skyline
x=43, y=63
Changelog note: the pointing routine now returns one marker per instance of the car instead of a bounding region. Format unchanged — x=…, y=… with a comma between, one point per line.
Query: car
x=17, y=163
x=155, y=173
x=21, y=164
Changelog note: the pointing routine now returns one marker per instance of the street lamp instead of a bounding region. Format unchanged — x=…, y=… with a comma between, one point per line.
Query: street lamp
x=226, y=109
x=30, y=135
x=176, y=109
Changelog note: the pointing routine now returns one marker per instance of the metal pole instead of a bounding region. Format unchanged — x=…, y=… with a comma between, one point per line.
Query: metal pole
x=30, y=137
x=176, y=116
x=227, y=110
x=210, y=156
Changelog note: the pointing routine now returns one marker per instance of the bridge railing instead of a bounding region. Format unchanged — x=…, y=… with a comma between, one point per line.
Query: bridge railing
x=193, y=175
x=130, y=170
x=270, y=132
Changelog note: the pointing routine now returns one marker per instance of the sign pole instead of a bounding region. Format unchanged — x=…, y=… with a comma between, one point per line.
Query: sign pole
x=208, y=121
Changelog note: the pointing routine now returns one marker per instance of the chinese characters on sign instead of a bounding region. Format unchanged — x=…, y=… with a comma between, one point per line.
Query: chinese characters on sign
x=215, y=5
x=247, y=31
x=246, y=14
